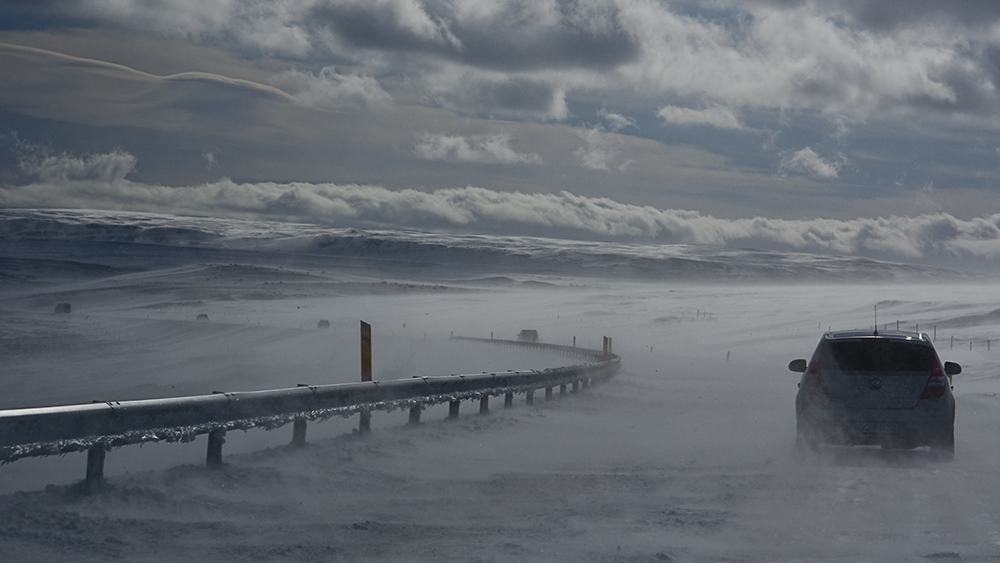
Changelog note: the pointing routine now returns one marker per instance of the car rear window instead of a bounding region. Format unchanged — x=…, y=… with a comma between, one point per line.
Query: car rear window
x=874, y=354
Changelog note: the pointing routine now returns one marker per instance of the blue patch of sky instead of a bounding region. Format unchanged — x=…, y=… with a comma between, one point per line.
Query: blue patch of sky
x=749, y=148
x=729, y=18
x=34, y=17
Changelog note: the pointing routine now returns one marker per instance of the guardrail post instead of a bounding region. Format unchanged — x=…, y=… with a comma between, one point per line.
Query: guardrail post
x=529, y=398
x=415, y=415
x=453, y=409
x=576, y=386
x=562, y=389
x=484, y=404
x=548, y=393
x=95, y=468
x=299, y=433
x=508, y=400
x=215, y=440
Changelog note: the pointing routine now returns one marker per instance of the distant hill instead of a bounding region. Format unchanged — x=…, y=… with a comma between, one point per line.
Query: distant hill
x=38, y=242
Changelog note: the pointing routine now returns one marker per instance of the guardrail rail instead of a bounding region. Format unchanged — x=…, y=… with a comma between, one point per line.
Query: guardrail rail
x=97, y=427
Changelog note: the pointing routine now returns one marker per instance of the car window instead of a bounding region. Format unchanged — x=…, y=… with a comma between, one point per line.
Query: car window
x=874, y=354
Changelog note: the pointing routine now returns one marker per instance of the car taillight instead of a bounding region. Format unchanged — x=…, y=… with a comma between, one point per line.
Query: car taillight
x=813, y=381
x=936, y=385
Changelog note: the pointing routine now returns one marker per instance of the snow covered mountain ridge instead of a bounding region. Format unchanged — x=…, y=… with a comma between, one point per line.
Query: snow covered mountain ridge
x=437, y=253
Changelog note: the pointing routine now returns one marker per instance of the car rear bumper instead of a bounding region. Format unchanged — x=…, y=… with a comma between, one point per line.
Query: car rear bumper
x=931, y=423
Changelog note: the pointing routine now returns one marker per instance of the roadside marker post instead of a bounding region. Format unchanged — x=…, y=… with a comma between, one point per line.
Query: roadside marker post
x=365, y=424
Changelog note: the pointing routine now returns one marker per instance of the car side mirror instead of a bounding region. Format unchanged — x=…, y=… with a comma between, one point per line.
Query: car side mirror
x=951, y=368
x=801, y=366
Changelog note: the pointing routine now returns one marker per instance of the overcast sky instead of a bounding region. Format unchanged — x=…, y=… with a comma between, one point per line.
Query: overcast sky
x=848, y=126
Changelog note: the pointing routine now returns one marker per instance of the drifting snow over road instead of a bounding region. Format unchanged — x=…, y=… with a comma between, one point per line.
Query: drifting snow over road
x=686, y=456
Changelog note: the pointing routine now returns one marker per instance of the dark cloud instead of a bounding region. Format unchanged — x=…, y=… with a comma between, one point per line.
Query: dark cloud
x=599, y=41
x=510, y=39
x=990, y=60
x=973, y=78
x=513, y=97
x=517, y=95
x=375, y=26
x=973, y=94
x=887, y=14
x=890, y=14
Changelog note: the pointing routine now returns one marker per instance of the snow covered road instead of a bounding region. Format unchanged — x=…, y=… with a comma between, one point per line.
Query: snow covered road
x=687, y=456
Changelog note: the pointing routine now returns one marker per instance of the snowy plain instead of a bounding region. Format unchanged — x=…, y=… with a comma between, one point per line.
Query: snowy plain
x=686, y=456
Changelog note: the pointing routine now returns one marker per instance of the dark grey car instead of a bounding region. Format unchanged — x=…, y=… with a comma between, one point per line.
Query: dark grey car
x=876, y=388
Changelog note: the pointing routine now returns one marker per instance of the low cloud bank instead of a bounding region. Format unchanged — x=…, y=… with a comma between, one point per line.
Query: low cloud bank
x=98, y=182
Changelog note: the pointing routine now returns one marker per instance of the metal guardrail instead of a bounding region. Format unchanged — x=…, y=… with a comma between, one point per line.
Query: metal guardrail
x=100, y=426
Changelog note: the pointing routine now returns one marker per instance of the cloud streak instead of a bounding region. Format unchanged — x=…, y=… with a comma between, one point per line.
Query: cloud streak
x=98, y=181
x=721, y=118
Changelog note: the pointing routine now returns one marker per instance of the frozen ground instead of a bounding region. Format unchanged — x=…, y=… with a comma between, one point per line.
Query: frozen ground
x=686, y=456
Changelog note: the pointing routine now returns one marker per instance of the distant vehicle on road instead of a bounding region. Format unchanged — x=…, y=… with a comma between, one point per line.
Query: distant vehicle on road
x=876, y=388
x=528, y=335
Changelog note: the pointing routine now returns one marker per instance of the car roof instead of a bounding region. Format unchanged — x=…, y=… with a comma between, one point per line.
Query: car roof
x=900, y=335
